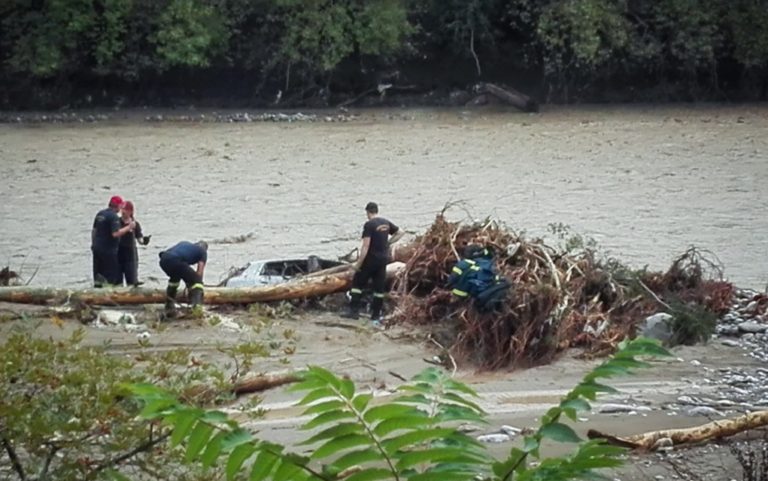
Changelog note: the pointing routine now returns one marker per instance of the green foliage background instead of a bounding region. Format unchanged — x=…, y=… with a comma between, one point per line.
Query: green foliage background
x=53, y=52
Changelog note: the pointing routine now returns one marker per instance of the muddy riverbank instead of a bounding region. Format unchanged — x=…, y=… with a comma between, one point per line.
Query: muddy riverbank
x=644, y=182
x=654, y=398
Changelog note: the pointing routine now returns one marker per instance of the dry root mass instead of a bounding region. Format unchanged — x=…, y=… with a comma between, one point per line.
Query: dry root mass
x=558, y=298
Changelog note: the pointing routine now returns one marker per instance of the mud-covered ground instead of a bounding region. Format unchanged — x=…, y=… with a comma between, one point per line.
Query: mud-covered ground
x=645, y=182
x=377, y=360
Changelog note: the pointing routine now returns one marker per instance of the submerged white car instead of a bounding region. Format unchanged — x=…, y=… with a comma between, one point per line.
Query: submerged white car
x=275, y=271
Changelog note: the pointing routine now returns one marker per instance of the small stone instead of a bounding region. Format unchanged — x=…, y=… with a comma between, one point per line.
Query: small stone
x=730, y=343
x=704, y=411
x=696, y=363
x=753, y=327
x=728, y=330
x=494, y=438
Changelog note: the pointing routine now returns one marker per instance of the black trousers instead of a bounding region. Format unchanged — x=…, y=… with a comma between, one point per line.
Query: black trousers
x=177, y=270
x=129, y=267
x=106, y=269
x=372, y=269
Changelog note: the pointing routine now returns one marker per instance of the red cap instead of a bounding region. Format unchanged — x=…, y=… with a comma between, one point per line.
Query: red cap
x=116, y=201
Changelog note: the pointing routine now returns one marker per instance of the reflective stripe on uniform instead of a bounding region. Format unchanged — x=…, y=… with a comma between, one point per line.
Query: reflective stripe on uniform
x=197, y=286
x=457, y=270
x=379, y=294
x=355, y=290
x=460, y=293
x=173, y=284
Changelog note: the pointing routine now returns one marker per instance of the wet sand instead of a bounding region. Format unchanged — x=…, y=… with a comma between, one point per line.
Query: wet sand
x=376, y=360
x=644, y=182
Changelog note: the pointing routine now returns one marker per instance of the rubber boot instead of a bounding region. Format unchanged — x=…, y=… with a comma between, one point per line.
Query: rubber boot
x=376, y=307
x=170, y=300
x=353, y=311
x=196, y=296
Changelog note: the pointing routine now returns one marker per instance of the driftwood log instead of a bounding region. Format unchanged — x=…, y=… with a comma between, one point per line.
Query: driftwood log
x=509, y=95
x=306, y=287
x=672, y=437
x=205, y=394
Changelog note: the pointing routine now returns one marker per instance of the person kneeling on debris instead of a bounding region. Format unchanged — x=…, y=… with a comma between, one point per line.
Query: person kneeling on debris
x=475, y=276
x=176, y=263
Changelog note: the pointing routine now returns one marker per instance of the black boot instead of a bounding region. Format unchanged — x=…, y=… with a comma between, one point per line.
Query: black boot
x=170, y=300
x=196, y=296
x=376, y=306
x=353, y=311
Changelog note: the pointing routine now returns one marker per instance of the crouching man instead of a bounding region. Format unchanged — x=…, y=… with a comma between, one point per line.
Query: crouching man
x=176, y=262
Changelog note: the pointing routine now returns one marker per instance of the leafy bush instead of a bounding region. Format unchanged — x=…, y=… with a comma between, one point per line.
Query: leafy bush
x=413, y=436
x=64, y=416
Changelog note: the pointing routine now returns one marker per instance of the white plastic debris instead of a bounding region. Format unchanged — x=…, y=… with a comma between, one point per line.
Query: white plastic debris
x=494, y=438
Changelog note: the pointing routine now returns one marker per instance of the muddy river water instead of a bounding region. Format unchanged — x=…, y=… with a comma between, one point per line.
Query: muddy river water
x=644, y=182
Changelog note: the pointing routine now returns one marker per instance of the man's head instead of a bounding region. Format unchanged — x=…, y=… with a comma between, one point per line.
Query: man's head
x=473, y=251
x=371, y=209
x=203, y=245
x=116, y=202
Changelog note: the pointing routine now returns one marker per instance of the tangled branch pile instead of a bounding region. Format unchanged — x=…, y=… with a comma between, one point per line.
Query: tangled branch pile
x=558, y=298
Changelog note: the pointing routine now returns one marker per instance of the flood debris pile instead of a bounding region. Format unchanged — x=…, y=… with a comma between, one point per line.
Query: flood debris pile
x=558, y=297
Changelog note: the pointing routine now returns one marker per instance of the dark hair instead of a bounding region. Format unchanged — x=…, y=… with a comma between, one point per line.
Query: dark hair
x=372, y=208
x=203, y=244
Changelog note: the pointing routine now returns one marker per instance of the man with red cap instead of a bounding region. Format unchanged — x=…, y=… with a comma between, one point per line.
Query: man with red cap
x=105, y=237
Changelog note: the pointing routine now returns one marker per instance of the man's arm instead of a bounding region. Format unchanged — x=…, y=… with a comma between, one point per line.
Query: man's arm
x=396, y=236
x=200, y=269
x=363, y=252
x=122, y=231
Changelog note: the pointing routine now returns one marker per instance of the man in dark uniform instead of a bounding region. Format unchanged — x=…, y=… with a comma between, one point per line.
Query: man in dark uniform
x=372, y=263
x=176, y=263
x=105, y=237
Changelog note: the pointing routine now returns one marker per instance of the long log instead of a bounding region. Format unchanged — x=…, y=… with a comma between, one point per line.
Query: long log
x=672, y=437
x=299, y=289
x=205, y=394
x=510, y=95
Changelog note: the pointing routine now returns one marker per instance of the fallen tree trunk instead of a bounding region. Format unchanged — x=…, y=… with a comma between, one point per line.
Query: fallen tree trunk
x=672, y=437
x=509, y=95
x=299, y=289
x=205, y=394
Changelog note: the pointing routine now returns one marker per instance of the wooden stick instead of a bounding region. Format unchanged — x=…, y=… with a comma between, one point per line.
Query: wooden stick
x=672, y=437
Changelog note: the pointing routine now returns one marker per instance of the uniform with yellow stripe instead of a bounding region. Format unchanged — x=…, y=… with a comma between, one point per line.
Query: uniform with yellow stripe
x=475, y=277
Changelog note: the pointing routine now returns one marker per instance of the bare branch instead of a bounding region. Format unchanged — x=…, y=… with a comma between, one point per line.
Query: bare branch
x=14, y=459
x=472, y=49
x=43, y=476
x=128, y=455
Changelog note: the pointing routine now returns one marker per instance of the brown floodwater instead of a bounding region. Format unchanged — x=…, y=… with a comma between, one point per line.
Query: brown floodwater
x=645, y=182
